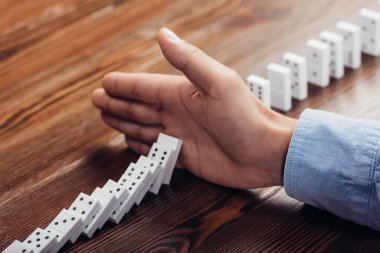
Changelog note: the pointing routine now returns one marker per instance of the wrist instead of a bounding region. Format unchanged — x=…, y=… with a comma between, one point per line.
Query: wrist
x=278, y=136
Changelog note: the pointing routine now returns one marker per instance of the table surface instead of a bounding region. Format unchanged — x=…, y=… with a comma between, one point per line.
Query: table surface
x=53, y=144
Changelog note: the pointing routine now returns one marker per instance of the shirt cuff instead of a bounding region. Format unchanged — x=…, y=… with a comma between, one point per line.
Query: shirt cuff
x=333, y=163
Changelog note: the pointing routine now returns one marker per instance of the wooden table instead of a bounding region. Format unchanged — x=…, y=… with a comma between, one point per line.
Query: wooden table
x=53, y=144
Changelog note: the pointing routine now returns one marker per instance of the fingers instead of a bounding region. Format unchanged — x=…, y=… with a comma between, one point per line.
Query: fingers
x=137, y=146
x=144, y=133
x=149, y=88
x=203, y=71
x=126, y=109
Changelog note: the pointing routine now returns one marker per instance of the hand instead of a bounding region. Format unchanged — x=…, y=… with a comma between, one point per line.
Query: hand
x=230, y=137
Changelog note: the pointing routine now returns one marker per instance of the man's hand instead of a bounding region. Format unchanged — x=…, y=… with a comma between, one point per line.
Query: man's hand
x=230, y=137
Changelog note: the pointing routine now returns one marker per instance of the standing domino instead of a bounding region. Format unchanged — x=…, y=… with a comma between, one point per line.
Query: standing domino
x=40, y=241
x=66, y=223
x=106, y=201
x=260, y=87
x=84, y=207
x=121, y=194
x=370, y=24
x=163, y=156
x=280, y=79
x=175, y=145
x=318, y=60
x=154, y=168
x=135, y=179
x=336, y=53
x=18, y=247
x=352, y=44
x=297, y=65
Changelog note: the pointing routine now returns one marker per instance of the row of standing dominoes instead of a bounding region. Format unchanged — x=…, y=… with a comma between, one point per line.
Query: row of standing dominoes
x=326, y=58
x=111, y=202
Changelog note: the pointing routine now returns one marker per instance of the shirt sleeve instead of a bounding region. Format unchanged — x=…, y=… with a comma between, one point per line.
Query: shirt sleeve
x=333, y=163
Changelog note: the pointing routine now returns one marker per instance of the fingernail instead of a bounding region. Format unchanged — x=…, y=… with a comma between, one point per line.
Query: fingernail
x=171, y=35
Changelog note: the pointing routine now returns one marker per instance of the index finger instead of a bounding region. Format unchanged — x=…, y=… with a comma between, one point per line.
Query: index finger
x=149, y=88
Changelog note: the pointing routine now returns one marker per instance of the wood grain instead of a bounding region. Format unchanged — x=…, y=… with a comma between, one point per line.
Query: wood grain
x=53, y=144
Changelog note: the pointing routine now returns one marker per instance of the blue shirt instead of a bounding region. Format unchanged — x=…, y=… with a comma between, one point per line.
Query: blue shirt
x=333, y=163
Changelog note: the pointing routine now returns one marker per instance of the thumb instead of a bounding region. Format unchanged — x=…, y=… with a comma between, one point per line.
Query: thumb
x=203, y=71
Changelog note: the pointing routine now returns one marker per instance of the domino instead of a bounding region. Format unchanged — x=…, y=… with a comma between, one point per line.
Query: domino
x=370, y=27
x=336, y=53
x=159, y=179
x=297, y=65
x=175, y=144
x=66, y=224
x=155, y=170
x=59, y=237
x=84, y=207
x=352, y=44
x=135, y=180
x=106, y=201
x=318, y=60
x=280, y=79
x=40, y=241
x=165, y=156
x=121, y=194
x=261, y=88
x=18, y=247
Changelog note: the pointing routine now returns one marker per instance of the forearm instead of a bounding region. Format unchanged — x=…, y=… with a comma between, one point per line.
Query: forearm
x=333, y=163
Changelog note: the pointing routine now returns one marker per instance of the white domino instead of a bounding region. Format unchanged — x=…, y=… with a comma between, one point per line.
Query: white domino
x=59, y=237
x=40, y=241
x=352, y=44
x=154, y=168
x=135, y=179
x=370, y=27
x=175, y=145
x=280, y=80
x=121, y=194
x=106, y=201
x=84, y=207
x=336, y=53
x=158, y=181
x=261, y=88
x=18, y=247
x=66, y=223
x=297, y=65
x=318, y=63
x=165, y=156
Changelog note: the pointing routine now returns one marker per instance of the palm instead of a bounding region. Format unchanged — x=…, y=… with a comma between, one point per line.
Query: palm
x=191, y=116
